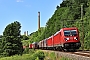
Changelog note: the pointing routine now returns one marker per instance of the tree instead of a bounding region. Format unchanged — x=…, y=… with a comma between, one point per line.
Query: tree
x=24, y=37
x=11, y=40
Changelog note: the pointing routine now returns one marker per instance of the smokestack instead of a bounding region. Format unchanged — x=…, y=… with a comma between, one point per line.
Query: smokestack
x=27, y=33
x=38, y=20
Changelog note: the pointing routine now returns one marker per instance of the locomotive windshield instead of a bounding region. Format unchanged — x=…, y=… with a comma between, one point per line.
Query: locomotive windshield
x=70, y=32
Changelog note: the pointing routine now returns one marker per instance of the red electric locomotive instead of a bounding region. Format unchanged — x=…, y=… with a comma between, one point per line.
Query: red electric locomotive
x=67, y=38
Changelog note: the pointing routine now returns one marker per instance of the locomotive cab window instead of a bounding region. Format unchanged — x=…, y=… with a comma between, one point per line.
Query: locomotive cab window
x=74, y=32
x=70, y=32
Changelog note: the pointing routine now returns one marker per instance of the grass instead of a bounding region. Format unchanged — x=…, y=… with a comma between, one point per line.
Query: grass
x=36, y=55
x=64, y=58
x=17, y=57
x=52, y=56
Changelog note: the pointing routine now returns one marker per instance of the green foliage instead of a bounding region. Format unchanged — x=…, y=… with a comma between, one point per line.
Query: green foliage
x=11, y=41
x=23, y=37
x=38, y=55
x=37, y=36
x=16, y=57
x=26, y=50
x=53, y=56
x=26, y=43
x=64, y=58
x=37, y=58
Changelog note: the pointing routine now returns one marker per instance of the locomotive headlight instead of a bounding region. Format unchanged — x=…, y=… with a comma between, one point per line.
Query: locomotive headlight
x=75, y=38
x=66, y=39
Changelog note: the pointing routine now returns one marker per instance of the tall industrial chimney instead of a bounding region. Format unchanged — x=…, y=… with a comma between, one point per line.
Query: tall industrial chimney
x=38, y=20
x=27, y=33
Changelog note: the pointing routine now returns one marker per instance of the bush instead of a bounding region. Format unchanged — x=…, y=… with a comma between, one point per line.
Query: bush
x=26, y=50
x=41, y=55
x=23, y=37
x=34, y=55
x=37, y=58
x=38, y=55
x=52, y=55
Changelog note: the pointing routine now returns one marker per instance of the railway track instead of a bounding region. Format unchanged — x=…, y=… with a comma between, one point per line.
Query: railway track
x=87, y=54
x=79, y=55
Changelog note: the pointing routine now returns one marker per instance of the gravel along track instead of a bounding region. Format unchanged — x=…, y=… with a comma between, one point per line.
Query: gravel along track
x=72, y=55
x=75, y=55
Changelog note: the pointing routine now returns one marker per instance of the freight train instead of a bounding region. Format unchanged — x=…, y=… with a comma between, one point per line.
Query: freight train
x=66, y=39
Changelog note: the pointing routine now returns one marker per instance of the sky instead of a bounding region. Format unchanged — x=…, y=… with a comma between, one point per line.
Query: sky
x=26, y=12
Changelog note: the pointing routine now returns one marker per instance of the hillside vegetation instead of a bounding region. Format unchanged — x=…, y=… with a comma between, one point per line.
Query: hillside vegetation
x=67, y=14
